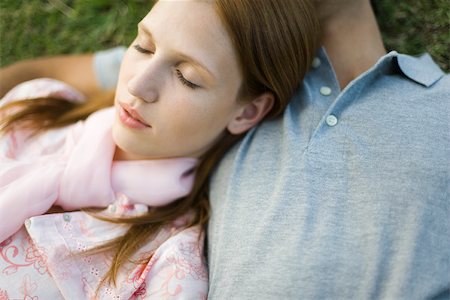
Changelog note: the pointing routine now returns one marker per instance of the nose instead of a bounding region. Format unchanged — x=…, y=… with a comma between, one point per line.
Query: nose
x=145, y=82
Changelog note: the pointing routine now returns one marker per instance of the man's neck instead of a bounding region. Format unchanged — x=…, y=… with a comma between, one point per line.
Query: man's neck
x=353, y=41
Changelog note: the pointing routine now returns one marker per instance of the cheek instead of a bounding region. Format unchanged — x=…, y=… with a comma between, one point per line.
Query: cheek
x=198, y=120
x=186, y=117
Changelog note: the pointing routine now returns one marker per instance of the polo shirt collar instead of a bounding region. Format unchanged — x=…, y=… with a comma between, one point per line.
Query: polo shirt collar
x=421, y=69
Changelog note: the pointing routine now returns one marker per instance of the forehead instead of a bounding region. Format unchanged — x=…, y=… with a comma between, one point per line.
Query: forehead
x=192, y=28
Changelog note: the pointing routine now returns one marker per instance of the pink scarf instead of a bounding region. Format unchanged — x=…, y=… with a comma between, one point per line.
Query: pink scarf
x=83, y=174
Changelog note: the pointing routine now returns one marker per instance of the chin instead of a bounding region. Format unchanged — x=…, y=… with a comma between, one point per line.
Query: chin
x=120, y=139
x=125, y=146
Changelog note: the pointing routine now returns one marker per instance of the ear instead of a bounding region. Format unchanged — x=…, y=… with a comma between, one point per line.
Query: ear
x=251, y=113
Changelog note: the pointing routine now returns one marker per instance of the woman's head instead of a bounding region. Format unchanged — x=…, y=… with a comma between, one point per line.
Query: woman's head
x=199, y=69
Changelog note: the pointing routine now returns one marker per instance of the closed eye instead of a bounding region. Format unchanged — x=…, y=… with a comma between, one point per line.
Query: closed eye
x=138, y=48
x=185, y=81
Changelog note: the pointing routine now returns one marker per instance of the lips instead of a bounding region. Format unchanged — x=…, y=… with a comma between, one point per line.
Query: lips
x=131, y=118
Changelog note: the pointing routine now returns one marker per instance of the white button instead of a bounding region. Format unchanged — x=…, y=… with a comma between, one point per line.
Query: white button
x=315, y=63
x=326, y=91
x=66, y=217
x=331, y=120
x=112, y=208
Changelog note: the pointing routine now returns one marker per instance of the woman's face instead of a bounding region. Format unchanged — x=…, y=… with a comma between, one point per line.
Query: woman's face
x=178, y=83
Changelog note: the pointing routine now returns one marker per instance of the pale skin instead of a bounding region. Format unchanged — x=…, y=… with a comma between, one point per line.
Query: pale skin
x=180, y=78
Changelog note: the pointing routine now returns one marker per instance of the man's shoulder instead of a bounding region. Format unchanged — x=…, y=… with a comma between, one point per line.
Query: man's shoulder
x=415, y=82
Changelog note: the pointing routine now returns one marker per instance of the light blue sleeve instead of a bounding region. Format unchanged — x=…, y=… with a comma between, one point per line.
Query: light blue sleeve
x=107, y=66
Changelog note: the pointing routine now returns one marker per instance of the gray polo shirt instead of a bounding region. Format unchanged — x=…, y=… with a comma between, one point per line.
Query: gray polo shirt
x=344, y=197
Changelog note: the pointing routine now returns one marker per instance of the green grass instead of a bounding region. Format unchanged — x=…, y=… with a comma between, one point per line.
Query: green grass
x=417, y=26
x=34, y=28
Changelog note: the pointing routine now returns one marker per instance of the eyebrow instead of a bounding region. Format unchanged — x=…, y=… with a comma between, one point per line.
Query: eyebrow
x=145, y=30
